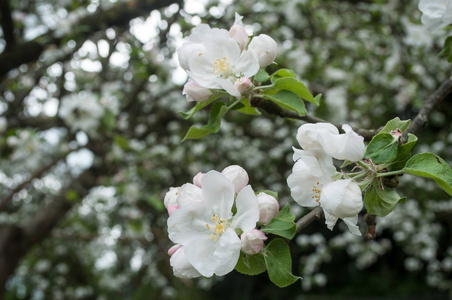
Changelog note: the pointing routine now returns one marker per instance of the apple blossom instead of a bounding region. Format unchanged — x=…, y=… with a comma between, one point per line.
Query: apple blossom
x=265, y=48
x=252, y=241
x=214, y=59
x=325, y=137
x=243, y=85
x=436, y=14
x=206, y=227
x=268, y=207
x=195, y=92
x=238, y=32
x=237, y=175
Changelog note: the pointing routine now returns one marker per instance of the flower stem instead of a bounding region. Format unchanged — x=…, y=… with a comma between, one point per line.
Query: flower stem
x=263, y=87
x=389, y=173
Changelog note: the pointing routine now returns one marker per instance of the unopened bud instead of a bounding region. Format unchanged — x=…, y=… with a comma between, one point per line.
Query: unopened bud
x=237, y=175
x=195, y=92
x=342, y=198
x=243, y=85
x=252, y=241
x=197, y=179
x=238, y=33
x=265, y=48
x=171, y=197
x=173, y=249
x=268, y=207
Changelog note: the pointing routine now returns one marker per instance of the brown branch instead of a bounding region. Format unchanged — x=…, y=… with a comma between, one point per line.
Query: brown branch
x=422, y=117
x=315, y=214
x=273, y=109
x=371, y=226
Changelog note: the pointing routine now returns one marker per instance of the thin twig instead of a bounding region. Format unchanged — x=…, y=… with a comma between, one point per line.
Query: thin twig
x=315, y=214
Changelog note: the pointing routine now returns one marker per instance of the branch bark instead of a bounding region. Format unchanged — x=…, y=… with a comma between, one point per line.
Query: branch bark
x=315, y=214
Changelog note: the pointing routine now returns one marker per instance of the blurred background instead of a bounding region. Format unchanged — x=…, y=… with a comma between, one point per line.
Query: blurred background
x=90, y=142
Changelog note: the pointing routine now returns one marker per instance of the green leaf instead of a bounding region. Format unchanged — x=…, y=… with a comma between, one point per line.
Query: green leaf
x=268, y=192
x=447, y=49
x=382, y=148
x=282, y=73
x=431, y=166
x=251, y=264
x=381, y=202
x=282, y=225
x=317, y=99
x=109, y=119
x=261, y=76
x=403, y=153
x=217, y=112
x=121, y=142
x=394, y=124
x=279, y=263
x=288, y=100
x=245, y=108
x=292, y=85
x=199, y=105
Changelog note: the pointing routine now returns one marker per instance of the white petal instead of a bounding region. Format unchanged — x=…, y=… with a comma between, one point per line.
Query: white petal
x=189, y=193
x=218, y=193
x=330, y=220
x=181, y=267
x=247, y=64
x=227, y=253
x=188, y=222
x=200, y=252
x=301, y=185
x=247, y=210
x=351, y=224
x=228, y=86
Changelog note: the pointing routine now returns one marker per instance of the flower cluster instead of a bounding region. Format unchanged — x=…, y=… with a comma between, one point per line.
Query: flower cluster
x=312, y=181
x=219, y=59
x=213, y=219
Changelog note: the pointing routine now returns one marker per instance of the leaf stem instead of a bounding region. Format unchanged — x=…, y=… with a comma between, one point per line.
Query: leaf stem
x=389, y=173
x=263, y=87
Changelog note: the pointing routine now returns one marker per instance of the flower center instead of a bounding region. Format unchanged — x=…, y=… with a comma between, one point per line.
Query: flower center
x=316, y=190
x=221, y=67
x=219, y=227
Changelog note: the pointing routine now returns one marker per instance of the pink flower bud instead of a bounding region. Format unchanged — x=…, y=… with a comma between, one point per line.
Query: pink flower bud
x=238, y=33
x=171, y=197
x=195, y=92
x=252, y=241
x=265, y=48
x=197, y=179
x=243, y=85
x=173, y=249
x=268, y=207
x=237, y=175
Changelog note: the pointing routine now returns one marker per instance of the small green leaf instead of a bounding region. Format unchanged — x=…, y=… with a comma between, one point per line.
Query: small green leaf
x=447, y=48
x=251, y=264
x=288, y=100
x=121, y=142
x=403, y=153
x=199, y=105
x=431, y=166
x=394, y=124
x=261, y=76
x=282, y=225
x=72, y=196
x=282, y=73
x=317, y=99
x=217, y=112
x=381, y=202
x=292, y=85
x=382, y=148
x=268, y=192
x=245, y=108
x=279, y=263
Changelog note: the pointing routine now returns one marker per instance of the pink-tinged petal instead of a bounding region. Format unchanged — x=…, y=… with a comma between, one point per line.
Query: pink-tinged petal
x=247, y=210
x=188, y=223
x=227, y=253
x=218, y=193
x=171, y=209
x=181, y=267
x=189, y=193
x=173, y=249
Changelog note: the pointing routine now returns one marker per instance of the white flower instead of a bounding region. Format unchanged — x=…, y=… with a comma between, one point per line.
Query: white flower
x=265, y=48
x=342, y=199
x=436, y=14
x=238, y=32
x=325, y=137
x=81, y=111
x=268, y=207
x=237, y=175
x=195, y=92
x=170, y=200
x=311, y=184
x=214, y=60
x=206, y=228
x=252, y=241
